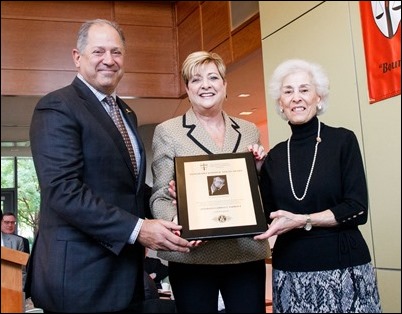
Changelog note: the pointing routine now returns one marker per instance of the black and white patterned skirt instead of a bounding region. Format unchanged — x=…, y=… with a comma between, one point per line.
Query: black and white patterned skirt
x=348, y=290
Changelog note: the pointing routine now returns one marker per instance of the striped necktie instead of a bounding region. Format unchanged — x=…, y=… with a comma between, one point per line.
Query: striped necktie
x=118, y=121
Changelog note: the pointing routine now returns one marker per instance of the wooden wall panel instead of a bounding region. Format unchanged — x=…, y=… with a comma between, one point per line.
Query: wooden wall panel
x=189, y=35
x=207, y=27
x=150, y=49
x=77, y=11
x=33, y=83
x=157, y=45
x=39, y=83
x=49, y=30
x=148, y=85
x=37, y=45
x=189, y=40
x=246, y=38
x=184, y=9
x=215, y=27
x=145, y=13
x=225, y=51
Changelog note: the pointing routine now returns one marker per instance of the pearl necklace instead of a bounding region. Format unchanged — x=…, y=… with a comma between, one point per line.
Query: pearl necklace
x=318, y=139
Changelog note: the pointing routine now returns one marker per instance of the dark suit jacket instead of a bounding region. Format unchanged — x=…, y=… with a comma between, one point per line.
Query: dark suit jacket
x=26, y=244
x=90, y=204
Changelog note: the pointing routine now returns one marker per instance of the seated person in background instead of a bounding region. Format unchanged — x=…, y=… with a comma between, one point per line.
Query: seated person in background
x=8, y=239
x=157, y=303
x=12, y=241
x=150, y=289
x=156, y=270
x=8, y=223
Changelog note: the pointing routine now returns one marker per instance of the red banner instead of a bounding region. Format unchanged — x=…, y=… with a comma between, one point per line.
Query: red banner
x=381, y=26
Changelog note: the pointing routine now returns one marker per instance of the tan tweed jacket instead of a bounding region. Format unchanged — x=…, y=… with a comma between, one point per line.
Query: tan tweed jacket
x=185, y=136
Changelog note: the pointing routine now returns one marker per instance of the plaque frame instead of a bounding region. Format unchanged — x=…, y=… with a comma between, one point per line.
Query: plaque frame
x=235, y=212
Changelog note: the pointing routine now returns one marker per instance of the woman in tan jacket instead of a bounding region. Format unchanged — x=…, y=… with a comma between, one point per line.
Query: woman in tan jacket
x=235, y=266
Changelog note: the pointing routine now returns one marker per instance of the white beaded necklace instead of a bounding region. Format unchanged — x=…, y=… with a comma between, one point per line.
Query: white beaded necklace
x=318, y=139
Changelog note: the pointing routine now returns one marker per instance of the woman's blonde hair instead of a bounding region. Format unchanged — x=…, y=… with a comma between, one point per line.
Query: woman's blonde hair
x=195, y=59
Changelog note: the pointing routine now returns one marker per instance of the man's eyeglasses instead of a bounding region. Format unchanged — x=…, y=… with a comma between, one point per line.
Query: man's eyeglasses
x=9, y=222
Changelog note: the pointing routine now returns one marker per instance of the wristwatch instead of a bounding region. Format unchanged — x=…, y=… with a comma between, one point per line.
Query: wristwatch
x=308, y=225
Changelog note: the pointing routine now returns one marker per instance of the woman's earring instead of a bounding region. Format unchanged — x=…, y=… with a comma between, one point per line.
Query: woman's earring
x=319, y=107
x=281, y=110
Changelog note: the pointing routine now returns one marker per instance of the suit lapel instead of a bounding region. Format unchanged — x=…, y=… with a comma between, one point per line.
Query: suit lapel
x=92, y=104
x=232, y=136
x=201, y=138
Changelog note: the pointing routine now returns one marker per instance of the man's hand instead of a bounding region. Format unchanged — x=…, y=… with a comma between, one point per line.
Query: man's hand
x=158, y=234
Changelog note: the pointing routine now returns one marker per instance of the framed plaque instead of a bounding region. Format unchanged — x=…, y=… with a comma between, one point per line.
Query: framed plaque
x=218, y=196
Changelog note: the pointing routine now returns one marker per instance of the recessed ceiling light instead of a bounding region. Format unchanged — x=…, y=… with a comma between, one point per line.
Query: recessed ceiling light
x=128, y=97
x=245, y=113
x=243, y=95
x=7, y=144
x=15, y=144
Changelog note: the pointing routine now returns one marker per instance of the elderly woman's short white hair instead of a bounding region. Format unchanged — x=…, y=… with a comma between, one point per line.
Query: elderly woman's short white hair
x=318, y=77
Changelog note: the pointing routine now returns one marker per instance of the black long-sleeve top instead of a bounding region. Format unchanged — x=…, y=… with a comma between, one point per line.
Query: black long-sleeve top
x=338, y=183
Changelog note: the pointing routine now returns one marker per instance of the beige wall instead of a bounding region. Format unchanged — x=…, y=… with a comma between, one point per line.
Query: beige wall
x=330, y=33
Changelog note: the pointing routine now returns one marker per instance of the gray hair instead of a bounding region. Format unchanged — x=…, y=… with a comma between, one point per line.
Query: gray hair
x=318, y=76
x=198, y=58
x=82, y=38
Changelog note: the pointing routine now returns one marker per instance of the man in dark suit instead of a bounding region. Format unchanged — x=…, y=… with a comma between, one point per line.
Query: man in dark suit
x=8, y=224
x=88, y=254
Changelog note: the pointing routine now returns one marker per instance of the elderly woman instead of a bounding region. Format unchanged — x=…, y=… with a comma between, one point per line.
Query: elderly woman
x=313, y=188
x=234, y=266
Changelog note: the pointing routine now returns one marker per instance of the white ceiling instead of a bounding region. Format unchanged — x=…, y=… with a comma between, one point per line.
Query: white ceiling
x=246, y=76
